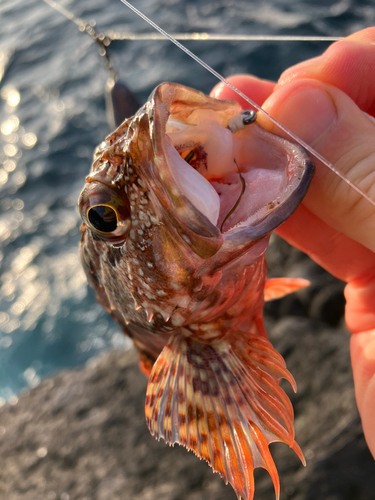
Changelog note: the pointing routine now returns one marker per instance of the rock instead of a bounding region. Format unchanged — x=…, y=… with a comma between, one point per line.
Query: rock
x=329, y=304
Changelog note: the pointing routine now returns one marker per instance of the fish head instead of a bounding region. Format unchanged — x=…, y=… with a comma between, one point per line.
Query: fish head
x=184, y=187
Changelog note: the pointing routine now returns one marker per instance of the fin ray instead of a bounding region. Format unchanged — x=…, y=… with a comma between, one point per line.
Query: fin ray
x=269, y=405
x=275, y=288
x=223, y=401
x=237, y=460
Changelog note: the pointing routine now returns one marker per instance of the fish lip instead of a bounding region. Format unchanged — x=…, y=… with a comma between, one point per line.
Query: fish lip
x=189, y=217
x=282, y=212
x=203, y=237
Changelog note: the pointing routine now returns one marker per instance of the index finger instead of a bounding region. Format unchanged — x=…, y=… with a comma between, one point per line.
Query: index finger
x=259, y=90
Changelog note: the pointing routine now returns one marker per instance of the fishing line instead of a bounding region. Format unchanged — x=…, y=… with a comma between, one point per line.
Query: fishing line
x=238, y=199
x=312, y=151
x=128, y=35
x=66, y=13
x=223, y=37
x=100, y=39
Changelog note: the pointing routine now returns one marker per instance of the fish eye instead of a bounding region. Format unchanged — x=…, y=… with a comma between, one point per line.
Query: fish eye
x=103, y=218
x=105, y=210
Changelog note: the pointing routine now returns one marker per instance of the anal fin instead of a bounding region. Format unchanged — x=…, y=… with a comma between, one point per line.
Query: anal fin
x=276, y=288
x=223, y=401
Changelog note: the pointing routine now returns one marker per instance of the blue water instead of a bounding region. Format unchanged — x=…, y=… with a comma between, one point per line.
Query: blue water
x=52, y=114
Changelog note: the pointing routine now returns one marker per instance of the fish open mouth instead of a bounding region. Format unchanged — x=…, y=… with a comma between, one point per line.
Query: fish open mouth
x=231, y=169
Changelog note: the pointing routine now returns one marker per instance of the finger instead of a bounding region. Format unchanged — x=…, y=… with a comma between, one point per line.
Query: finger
x=348, y=65
x=360, y=303
x=344, y=258
x=362, y=348
x=331, y=122
x=258, y=90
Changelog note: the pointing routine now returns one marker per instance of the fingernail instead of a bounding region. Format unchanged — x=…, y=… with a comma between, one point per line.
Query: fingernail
x=308, y=113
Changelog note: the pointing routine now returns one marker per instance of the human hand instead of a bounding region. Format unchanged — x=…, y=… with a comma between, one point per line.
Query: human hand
x=322, y=101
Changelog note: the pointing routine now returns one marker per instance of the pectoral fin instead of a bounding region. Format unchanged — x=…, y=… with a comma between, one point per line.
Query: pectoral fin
x=223, y=401
x=278, y=287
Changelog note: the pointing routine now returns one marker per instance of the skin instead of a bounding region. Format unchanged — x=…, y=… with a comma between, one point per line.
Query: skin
x=322, y=100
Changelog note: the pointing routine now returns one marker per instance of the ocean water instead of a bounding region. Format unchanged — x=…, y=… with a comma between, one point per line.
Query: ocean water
x=52, y=115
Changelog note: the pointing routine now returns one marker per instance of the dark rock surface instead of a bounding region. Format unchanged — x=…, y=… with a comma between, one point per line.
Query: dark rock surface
x=81, y=435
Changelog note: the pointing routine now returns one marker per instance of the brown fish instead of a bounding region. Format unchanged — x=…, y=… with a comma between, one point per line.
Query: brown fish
x=178, y=209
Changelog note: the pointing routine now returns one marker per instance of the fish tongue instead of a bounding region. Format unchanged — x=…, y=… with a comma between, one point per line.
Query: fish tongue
x=223, y=401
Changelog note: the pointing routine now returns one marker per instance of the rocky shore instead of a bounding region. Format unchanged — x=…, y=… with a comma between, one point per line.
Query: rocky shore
x=81, y=435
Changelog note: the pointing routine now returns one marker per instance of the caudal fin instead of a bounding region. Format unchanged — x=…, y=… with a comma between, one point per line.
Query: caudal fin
x=223, y=401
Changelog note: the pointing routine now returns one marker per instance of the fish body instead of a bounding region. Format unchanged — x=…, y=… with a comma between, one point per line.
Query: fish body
x=177, y=210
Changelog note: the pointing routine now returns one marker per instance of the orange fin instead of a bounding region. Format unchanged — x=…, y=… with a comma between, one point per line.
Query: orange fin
x=278, y=287
x=145, y=364
x=223, y=401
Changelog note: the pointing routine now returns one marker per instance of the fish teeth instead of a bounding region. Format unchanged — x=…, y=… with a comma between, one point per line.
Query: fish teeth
x=166, y=315
x=150, y=315
x=166, y=312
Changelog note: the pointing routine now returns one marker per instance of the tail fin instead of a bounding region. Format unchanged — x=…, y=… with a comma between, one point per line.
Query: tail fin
x=223, y=401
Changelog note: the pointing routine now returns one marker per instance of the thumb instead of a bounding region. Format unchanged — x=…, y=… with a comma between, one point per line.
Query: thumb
x=328, y=120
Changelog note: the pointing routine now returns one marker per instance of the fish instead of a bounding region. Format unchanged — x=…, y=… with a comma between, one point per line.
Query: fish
x=177, y=213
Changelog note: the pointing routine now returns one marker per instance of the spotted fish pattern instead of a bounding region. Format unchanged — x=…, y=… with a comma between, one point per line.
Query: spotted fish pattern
x=186, y=282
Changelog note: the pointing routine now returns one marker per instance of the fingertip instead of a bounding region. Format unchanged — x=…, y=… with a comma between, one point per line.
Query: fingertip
x=368, y=419
x=362, y=349
x=301, y=70
x=258, y=90
x=366, y=36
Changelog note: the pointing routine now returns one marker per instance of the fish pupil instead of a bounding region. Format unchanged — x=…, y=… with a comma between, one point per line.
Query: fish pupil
x=103, y=218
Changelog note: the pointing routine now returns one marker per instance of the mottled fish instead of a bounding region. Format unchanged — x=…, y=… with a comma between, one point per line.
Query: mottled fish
x=177, y=212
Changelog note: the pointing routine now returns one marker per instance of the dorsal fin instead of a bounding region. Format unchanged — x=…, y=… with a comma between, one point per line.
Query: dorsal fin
x=223, y=401
x=276, y=288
